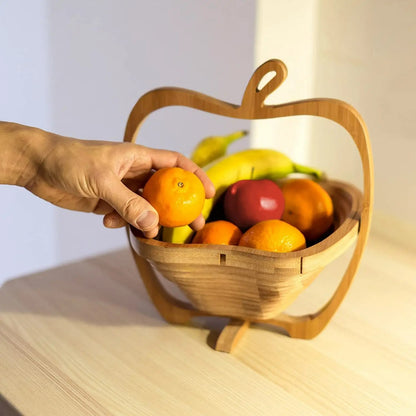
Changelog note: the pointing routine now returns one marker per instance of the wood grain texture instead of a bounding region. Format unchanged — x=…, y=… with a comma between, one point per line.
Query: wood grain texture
x=86, y=339
x=241, y=282
x=211, y=288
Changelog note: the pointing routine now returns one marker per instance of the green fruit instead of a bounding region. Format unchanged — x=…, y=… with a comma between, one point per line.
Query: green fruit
x=246, y=164
x=214, y=147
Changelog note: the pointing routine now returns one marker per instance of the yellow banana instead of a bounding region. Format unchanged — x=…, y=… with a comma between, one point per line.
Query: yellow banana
x=177, y=235
x=246, y=164
x=214, y=147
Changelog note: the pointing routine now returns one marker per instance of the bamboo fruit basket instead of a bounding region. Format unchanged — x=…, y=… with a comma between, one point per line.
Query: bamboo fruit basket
x=241, y=283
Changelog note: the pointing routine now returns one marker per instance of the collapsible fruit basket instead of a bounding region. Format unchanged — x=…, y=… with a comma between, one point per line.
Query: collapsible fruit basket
x=245, y=284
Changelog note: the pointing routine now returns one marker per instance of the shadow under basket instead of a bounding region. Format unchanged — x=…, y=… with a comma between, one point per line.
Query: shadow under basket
x=245, y=284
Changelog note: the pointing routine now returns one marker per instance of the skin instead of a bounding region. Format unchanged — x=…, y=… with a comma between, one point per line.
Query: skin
x=91, y=176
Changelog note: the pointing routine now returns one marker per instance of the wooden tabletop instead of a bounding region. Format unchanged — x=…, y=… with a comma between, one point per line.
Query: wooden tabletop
x=84, y=339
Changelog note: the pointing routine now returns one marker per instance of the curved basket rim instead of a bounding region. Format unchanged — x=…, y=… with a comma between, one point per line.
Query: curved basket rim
x=305, y=260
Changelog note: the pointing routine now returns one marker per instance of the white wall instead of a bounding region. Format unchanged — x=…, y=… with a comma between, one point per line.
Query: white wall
x=286, y=30
x=77, y=68
x=362, y=53
x=27, y=224
x=366, y=56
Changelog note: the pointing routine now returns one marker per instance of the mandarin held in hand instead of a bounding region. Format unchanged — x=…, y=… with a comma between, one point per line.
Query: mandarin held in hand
x=176, y=194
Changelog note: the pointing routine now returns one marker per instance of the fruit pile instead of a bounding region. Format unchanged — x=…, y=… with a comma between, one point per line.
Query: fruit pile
x=263, y=215
x=256, y=204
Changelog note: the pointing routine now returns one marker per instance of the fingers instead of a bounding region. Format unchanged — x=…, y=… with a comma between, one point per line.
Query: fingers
x=198, y=223
x=131, y=207
x=102, y=208
x=113, y=220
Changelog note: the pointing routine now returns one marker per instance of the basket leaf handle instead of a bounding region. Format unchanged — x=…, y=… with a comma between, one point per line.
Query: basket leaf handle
x=252, y=105
x=254, y=96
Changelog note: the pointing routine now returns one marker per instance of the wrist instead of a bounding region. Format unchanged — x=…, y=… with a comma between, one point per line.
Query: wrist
x=22, y=151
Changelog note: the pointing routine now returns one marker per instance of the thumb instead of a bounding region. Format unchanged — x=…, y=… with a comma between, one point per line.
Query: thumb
x=131, y=207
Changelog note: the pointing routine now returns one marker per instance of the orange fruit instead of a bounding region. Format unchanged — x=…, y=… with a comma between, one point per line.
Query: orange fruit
x=308, y=207
x=218, y=232
x=176, y=194
x=273, y=235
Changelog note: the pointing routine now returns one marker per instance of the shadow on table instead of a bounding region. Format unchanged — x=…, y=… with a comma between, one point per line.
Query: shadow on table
x=105, y=290
x=6, y=409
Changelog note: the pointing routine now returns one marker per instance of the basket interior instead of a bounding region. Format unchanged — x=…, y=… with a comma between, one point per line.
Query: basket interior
x=246, y=282
x=347, y=201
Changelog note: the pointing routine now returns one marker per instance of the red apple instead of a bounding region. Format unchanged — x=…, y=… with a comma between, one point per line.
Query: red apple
x=250, y=201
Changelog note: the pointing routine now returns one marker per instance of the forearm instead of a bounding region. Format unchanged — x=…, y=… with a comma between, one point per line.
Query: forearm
x=22, y=150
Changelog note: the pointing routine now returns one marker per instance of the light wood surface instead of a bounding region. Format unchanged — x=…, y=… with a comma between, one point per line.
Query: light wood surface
x=249, y=293
x=85, y=339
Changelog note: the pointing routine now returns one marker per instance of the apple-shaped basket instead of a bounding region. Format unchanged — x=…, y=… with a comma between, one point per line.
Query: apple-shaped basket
x=245, y=284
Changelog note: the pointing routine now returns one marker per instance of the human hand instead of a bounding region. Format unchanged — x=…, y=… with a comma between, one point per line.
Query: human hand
x=102, y=177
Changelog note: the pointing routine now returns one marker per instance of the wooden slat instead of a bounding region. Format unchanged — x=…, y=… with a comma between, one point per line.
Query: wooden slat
x=253, y=107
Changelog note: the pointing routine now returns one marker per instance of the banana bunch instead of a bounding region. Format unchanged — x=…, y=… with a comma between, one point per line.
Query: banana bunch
x=245, y=164
x=214, y=147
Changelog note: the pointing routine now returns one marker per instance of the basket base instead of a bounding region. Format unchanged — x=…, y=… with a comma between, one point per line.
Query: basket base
x=177, y=312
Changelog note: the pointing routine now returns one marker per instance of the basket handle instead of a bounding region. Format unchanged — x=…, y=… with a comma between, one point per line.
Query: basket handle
x=253, y=107
x=308, y=326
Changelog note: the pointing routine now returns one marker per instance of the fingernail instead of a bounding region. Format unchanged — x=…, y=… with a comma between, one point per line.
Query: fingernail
x=109, y=222
x=146, y=220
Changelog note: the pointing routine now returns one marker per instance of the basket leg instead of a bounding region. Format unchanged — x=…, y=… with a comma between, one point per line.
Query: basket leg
x=309, y=326
x=170, y=308
x=231, y=335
